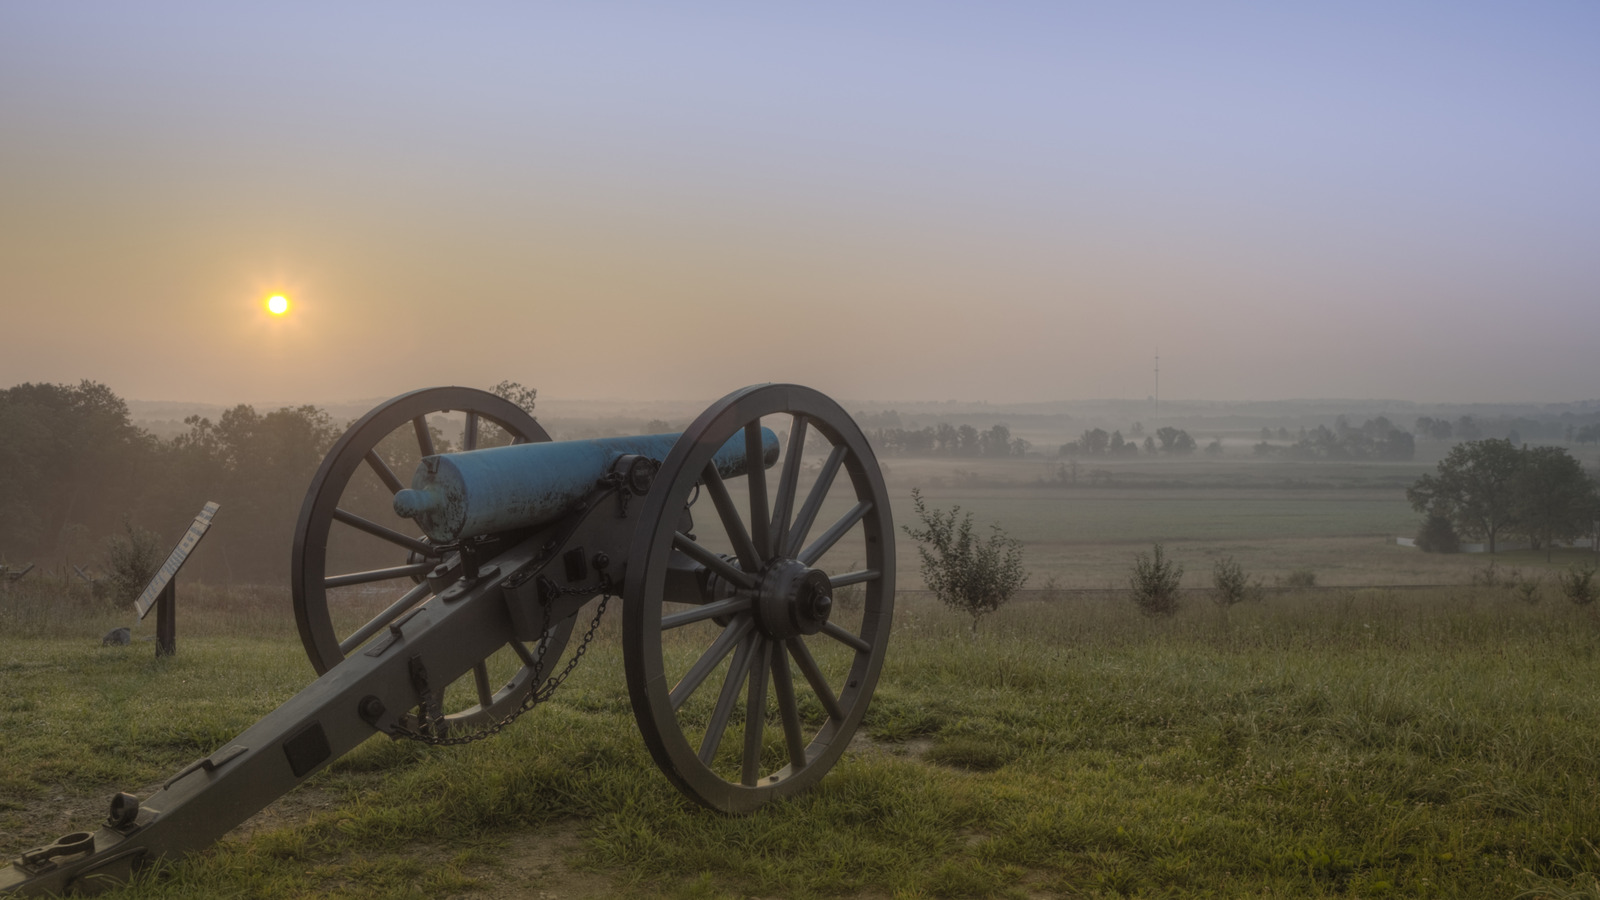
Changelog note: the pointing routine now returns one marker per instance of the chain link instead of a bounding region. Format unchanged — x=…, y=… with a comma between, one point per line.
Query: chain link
x=434, y=730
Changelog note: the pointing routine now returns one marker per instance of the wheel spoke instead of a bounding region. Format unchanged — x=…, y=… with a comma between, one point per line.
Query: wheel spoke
x=709, y=660
x=756, y=472
x=755, y=713
x=788, y=710
x=382, y=470
x=382, y=619
x=819, y=493
x=837, y=632
x=835, y=531
x=415, y=545
x=749, y=557
x=727, y=607
x=738, y=671
x=819, y=684
x=469, y=434
x=333, y=581
x=857, y=577
x=712, y=561
x=788, y=484
x=480, y=678
x=424, y=436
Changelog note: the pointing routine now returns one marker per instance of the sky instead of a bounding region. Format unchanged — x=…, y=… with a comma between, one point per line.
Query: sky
x=888, y=200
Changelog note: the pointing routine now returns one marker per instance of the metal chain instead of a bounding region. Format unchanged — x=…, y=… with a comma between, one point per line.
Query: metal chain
x=432, y=725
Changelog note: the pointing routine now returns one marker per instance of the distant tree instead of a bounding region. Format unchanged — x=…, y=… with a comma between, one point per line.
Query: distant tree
x=1215, y=447
x=1467, y=429
x=1474, y=488
x=516, y=393
x=968, y=441
x=1553, y=499
x=1095, y=442
x=996, y=441
x=974, y=576
x=1120, y=447
x=1137, y=430
x=657, y=426
x=1175, y=440
x=1266, y=433
x=1149, y=445
x=1437, y=534
x=1588, y=434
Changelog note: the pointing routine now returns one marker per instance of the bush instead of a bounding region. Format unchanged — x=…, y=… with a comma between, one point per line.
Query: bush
x=1230, y=585
x=1155, y=582
x=132, y=559
x=1528, y=590
x=1438, y=535
x=1300, y=578
x=1577, y=585
x=966, y=574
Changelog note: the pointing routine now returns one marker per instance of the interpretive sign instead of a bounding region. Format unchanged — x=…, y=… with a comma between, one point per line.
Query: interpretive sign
x=162, y=591
x=174, y=561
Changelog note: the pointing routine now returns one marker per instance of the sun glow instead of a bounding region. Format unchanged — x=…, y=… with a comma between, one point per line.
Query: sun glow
x=277, y=304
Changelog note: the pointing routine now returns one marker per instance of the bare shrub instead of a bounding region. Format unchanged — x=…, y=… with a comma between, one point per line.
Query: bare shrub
x=1154, y=582
x=132, y=559
x=1230, y=585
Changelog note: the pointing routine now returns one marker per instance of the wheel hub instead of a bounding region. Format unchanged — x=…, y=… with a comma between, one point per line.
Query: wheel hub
x=794, y=599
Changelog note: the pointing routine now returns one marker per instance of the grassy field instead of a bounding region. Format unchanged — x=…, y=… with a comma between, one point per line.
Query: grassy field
x=1434, y=743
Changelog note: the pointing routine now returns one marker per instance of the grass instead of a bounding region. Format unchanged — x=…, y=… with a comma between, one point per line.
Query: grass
x=1436, y=742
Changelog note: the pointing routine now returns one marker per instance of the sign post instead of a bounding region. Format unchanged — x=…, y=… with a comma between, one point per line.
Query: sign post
x=162, y=591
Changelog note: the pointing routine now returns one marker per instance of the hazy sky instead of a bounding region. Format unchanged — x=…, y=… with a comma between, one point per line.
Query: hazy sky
x=1009, y=201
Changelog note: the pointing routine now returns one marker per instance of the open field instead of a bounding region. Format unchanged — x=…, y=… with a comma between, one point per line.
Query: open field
x=1437, y=742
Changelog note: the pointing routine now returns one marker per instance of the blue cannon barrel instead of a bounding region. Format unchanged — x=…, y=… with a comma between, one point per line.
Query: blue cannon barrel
x=455, y=495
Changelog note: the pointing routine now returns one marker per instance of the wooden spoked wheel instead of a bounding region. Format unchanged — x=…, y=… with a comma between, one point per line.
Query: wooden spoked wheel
x=358, y=567
x=752, y=645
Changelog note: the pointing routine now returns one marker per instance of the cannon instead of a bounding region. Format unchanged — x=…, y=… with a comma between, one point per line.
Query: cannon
x=752, y=632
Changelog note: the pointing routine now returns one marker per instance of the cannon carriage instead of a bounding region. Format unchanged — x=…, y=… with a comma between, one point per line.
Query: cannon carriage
x=752, y=555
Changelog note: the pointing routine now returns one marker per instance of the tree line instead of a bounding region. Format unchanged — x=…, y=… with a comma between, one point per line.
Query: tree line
x=75, y=472
x=1376, y=438
x=945, y=439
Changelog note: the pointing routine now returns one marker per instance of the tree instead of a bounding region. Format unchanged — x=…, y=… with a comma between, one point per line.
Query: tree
x=516, y=393
x=1554, y=499
x=974, y=576
x=1437, y=535
x=1175, y=440
x=1095, y=442
x=1155, y=581
x=1475, y=488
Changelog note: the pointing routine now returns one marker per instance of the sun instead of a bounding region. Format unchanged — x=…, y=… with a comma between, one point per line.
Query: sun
x=277, y=304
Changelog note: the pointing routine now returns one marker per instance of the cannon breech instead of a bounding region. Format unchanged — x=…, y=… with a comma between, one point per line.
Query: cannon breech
x=515, y=541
